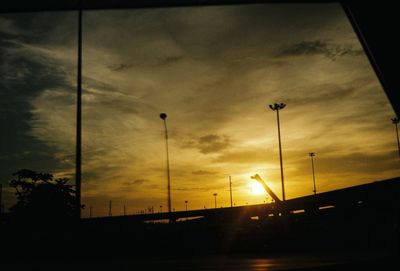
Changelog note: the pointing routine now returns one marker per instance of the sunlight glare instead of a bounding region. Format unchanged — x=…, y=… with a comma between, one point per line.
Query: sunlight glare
x=257, y=188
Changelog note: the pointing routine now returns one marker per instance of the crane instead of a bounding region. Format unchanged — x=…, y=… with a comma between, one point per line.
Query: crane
x=266, y=187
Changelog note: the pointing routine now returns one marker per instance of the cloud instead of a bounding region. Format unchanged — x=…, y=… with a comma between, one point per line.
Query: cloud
x=156, y=62
x=30, y=72
x=136, y=182
x=319, y=47
x=214, y=78
x=213, y=143
x=244, y=156
x=120, y=67
x=8, y=27
x=203, y=172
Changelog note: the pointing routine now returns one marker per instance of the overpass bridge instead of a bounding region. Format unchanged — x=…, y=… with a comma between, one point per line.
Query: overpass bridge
x=377, y=197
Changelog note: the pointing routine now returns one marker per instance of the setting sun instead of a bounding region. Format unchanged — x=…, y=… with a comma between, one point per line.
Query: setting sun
x=256, y=188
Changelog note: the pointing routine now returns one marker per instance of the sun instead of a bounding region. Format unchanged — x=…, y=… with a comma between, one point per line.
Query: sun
x=256, y=188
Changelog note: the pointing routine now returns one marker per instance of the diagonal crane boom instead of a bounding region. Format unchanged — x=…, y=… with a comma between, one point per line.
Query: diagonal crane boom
x=266, y=187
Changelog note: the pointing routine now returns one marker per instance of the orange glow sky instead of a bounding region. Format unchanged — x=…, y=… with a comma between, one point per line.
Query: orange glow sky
x=214, y=70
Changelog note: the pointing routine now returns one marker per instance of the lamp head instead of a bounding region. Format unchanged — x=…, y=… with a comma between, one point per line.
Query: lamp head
x=163, y=116
x=277, y=106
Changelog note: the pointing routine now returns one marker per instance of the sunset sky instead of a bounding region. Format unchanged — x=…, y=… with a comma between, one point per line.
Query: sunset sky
x=214, y=71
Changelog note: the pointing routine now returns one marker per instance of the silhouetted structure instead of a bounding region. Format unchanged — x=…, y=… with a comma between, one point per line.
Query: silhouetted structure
x=276, y=107
x=230, y=189
x=313, y=172
x=266, y=188
x=215, y=199
x=360, y=217
x=163, y=116
x=78, y=154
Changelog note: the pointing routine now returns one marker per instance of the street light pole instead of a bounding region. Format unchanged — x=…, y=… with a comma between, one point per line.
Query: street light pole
x=163, y=116
x=230, y=188
x=186, y=202
x=396, y=121
x=215, y=200
x=78, y=150
x=313, y=172
x=276, y=107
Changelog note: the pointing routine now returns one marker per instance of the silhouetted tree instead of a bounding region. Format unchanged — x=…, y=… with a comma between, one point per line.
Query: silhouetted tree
x=42, y=199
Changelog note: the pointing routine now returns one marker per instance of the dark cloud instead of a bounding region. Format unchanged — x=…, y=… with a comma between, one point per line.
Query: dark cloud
x=170, y=59
x=136, y=182
x=26, y=73
x=203, y=172
x=357, y=162
x=305, y=48
x=210, y=186
x=108, y=97
x=320, y=93
x=156, y=62
x=319, y=47
x=119, y=67
x=213, y=143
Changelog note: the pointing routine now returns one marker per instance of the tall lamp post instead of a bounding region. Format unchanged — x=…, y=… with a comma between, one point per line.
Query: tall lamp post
x=276, y=107
x=230, y=189
x=313, y=172
x=186, y=202
x=215, y=200
x=163, y=116
x=396, y=121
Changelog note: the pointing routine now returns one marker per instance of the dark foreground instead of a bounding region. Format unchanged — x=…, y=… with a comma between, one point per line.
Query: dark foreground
x=300, y=261
x=359, y=231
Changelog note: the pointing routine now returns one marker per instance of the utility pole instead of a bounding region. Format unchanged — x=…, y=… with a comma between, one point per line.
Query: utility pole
x=230, y=189
x=186, y=202
x=276, y=107
x=313, y=172
x=215, y=200
x=78, y=154
x=163, y=116
x=396, y=121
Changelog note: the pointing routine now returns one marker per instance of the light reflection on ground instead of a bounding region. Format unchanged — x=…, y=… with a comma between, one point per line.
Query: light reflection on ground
x=360, y=260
